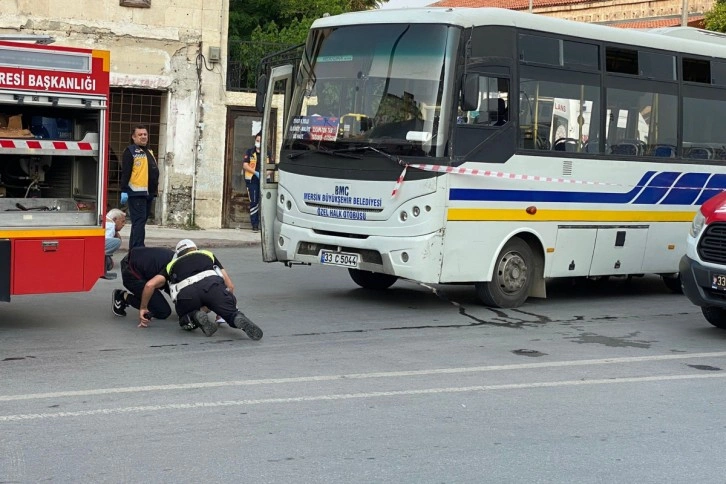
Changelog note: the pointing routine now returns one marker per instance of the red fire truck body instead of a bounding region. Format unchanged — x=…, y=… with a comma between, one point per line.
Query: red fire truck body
x=53, y=167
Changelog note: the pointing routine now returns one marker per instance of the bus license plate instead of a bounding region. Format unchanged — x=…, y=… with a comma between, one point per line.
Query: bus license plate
x=718, y=281
x=344, y=259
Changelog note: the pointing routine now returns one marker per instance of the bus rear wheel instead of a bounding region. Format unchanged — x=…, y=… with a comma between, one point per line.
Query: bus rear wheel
x=372, y=280
x=512, y=279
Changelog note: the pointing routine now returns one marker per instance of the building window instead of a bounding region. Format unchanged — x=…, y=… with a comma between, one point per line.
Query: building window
x=135, y=3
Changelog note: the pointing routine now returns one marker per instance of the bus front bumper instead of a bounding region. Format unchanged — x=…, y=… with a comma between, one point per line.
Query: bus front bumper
x=413, y=257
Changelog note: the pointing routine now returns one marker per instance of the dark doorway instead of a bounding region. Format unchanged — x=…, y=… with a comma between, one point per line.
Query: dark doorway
x=242, y=126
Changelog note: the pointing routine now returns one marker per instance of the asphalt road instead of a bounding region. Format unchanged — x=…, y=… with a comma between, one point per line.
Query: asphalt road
x=617, y=382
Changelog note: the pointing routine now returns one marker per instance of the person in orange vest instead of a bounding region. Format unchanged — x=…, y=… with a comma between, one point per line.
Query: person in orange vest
x=251, y=172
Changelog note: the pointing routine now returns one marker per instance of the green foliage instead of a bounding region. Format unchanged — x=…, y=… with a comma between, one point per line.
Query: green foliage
x=260, y=27
x=263, y=19
x=716, y=18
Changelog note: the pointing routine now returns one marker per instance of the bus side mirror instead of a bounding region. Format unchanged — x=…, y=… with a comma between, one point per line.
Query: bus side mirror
x=470, y=92
x=261, y=92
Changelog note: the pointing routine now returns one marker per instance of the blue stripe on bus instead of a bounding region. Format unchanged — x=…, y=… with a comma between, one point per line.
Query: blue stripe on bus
x=657, y=188
x=650, y=190
x=478, y=194
x=686, y=189
x=715, y=185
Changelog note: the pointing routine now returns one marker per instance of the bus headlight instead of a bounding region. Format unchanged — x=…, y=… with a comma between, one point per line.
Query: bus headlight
x=416, y=211
x=697, y=225
x=403, y=215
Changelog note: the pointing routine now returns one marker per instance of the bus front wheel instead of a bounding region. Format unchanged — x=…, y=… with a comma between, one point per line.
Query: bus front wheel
x=372, y=280
x=512, y=279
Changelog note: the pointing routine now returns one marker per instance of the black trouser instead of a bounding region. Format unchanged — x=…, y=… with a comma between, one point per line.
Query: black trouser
x=210, y=292
x=139, y=209
x=253, y=191
x=158, y=306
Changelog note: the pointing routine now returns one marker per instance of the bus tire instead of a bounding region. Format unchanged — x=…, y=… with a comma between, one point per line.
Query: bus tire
x=673, y=283
x=512, y=279
x=372, y=280
x=715, y=316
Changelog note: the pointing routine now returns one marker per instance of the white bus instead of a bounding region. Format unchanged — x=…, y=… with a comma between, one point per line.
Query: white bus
x=535, y=148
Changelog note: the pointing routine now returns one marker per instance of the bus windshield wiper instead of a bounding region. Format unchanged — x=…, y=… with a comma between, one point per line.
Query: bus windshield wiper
x=341, y=152
x=391, y=157
x=345, y=152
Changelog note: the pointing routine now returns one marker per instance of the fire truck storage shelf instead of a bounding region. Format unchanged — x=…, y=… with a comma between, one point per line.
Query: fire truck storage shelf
x=88, y=146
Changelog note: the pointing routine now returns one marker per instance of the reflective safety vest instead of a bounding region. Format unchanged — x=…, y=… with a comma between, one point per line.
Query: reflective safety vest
x=175, y=288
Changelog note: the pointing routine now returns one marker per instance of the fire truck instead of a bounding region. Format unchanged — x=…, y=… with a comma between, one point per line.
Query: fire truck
x=53, y=167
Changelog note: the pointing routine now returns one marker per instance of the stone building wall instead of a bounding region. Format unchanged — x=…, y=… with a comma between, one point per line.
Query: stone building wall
x=156, y=48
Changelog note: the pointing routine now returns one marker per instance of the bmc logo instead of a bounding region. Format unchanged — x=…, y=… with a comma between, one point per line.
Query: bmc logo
x=342, y=190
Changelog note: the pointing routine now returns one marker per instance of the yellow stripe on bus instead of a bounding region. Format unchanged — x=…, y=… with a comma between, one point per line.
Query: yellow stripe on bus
x=545, y=215
x=50, y=233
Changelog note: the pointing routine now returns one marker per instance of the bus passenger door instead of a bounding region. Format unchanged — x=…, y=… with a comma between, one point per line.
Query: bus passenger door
x=277, y=101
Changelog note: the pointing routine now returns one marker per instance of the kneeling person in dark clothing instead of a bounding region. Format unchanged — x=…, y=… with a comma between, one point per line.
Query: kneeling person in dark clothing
x=139, y=266
x=197, y=279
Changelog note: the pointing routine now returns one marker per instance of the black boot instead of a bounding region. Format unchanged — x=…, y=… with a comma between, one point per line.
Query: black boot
x=186, y=323
x=202, y=319
x=245, y=324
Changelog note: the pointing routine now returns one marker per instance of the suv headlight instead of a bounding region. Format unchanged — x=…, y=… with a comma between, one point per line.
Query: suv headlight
x=697, y=225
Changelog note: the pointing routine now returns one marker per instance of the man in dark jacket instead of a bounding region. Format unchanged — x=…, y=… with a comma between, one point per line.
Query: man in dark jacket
x=139, y=183
x=251, y=172
x=197, y=280
x=138, y=266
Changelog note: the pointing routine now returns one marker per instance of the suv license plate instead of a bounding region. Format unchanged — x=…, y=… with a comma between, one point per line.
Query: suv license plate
x=718, y=281
x=344, y=259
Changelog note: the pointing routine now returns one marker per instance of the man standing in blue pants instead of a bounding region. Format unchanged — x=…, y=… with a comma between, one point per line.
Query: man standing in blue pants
x=139, y=183
x=251, y=171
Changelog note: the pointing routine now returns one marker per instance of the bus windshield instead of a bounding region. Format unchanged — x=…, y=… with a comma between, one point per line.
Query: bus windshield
x=379, y=85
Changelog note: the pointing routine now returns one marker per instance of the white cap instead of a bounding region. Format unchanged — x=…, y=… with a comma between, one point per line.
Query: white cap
x=184, y=245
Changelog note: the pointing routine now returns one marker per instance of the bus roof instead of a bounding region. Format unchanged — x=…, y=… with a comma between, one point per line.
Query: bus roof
x=683, y=39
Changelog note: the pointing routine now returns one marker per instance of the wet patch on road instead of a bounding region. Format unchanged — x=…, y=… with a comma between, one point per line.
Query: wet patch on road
x=511, y=318
x=530, y=353
x=17, y=358
x=612, y=341
x=705, y=367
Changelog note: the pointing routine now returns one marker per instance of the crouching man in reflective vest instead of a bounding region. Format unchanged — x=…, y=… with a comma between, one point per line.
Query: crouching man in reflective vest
x=196, y=279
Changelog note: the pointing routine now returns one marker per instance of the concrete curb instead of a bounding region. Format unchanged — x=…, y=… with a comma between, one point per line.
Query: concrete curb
x=202, y=243
x=157, y=236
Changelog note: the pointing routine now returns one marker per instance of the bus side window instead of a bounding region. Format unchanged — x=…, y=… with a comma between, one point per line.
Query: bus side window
x=559, y=111
x=482, y=134
x=642, y=121
x=704, y=126
x=493, y=108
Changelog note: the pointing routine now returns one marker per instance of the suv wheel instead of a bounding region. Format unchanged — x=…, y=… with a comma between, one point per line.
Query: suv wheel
x=715, y=316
